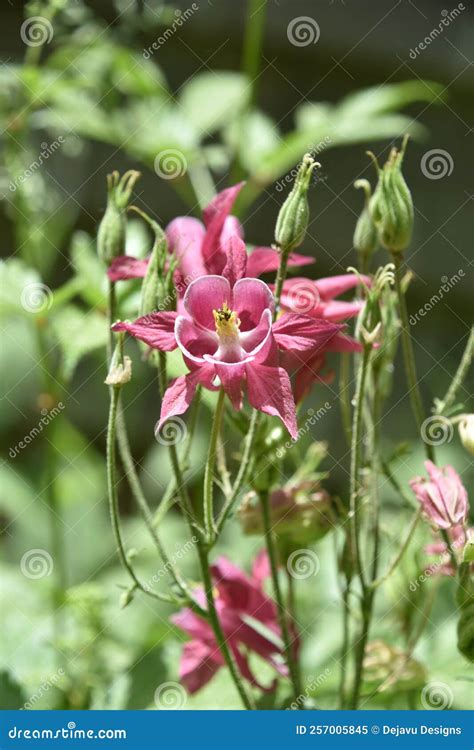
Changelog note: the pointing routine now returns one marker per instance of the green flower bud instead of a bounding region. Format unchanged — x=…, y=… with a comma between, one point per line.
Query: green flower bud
x=366, y=238
x=293, y=218
x=154, y=287
x=112, y=228
x=391, y=205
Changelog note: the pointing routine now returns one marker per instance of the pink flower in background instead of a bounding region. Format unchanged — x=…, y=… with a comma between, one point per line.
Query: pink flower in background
x=203, y=248
x=443, y=497
x=443, y=565
x=240, y=601
x=228, y=338
x=318, y=297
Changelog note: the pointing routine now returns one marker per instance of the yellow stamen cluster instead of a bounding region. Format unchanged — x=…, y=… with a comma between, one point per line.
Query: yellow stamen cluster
x=227, y=322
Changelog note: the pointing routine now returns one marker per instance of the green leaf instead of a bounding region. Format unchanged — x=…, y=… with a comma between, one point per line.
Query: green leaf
x=252, y=137
x=12, y=696
x=212, y=100
x=78, y=334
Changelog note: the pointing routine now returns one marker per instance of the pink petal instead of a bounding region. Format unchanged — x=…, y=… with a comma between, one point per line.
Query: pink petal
x=156, y=330
x=261, y=566
x=205, y=295
x=127, y=267
x=266, y=259
x=269, y=390
x=185, y=237
x=337, y=311
x=231, y=376
x=199, y=663
x=178, y=397
x=250, y=298
x=303, y=333
x=214, y=218
x=343, y=343
x=194, y=341
x=236, y=264
x=333, y=286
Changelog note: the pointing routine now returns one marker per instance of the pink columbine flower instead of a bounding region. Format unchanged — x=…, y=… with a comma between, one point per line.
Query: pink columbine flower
x=240, y=602
x=203, y=248
x=228, y=339
x=443, y=497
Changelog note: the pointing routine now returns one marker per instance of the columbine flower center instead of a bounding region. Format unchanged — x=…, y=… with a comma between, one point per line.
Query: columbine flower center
x=227, y=328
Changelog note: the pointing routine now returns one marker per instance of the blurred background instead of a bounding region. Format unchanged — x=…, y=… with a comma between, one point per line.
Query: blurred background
x=97, y=96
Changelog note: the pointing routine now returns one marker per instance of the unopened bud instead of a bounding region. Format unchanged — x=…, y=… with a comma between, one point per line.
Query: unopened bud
x=293, y=218
x=365, y=238
x=126, y=597
x=466, y=432
x=391, y=206
x=112, y=228
x=120, y=370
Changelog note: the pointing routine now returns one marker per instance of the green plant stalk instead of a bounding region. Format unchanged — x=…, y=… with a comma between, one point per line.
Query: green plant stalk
x=254, y=29
x=282, y=617
x=459, y=377
x=376, y=583
x=242, y=473
x=208, y=496
x=408, y=354
x=218, y=632
x=344, y=399
x=345, y=643
x=113, y=499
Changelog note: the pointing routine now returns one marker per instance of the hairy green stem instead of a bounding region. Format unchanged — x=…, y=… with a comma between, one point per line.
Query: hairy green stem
x=459, y=377
x=282, y=616
x=208, y=498
x=409, y=356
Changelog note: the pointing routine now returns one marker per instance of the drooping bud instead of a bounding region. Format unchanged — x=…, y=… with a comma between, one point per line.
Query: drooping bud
x=293, y=218
x=466, y=432
x=120, y=370
x=112, y=228
x=391, y=205
x=365, y=238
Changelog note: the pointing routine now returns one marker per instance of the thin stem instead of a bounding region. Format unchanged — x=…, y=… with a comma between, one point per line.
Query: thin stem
x=113, y=499
x=282, y=617
x=408, y=354
x=355, y=461
x=360, y=649
x=137, y=491
x=459, y=377
x=217, y=628
x=403, y=548
x=244, y=465
x=254, y=28
x=208, y=499
x=344, y=398
x=345, y=643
